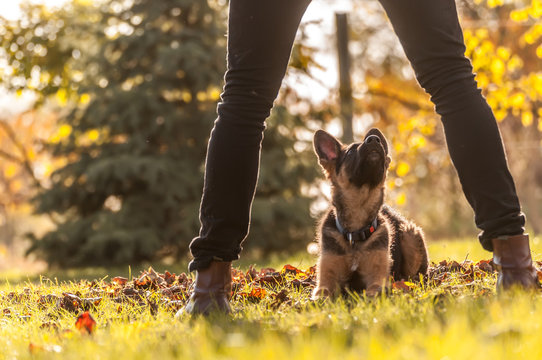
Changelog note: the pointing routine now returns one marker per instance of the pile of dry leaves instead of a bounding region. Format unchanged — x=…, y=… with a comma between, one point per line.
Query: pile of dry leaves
x=151, y=290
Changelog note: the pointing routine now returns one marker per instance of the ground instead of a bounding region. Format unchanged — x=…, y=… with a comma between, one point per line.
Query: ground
x=453, y=314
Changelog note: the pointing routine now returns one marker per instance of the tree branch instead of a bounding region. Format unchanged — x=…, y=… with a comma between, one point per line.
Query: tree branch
x=405, y=102
x=10, y=157
x=25, y=161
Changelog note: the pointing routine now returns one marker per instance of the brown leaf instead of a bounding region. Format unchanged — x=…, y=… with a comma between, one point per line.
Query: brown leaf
x=255, y=294
x=49, y=299
x=279, y=298
x=70, y=302
x=306, y=283
x=130, y=292
x=401, y=285
x=169, y=277
x=485, y=265
x=238, y=276
x=119, y=280
x=149, y=280
x=184, y=280
x=270, y=279
x=454, y=266
x=85, y=322
x=251, y=273
x=289, y=269
x=90, y=303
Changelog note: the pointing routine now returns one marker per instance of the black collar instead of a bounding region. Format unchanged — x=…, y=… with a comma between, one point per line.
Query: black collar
x=360, y=235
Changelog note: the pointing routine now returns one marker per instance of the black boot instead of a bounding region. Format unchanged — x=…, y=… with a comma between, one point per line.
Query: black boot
x=512, y=256
x=212, y=290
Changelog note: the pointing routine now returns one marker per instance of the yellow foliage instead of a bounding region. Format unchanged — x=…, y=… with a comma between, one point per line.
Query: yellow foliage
x=45, y=77
x=64, y=131
x=497, y=67
x=417, y=141
x=402, y=169
x=201, y=96
x=427, y=130
x=487, y=47
x=536, y=83
x=482, y=33
x=93, y=135
x=186, y=96
x=500, y=114
x=390, y=185
x=527, y=118
x=15, y=186
x=482, y=79
x=401, y=199
x=214, y=94
x=519, y=15
x=517, y=100
x=31, y=155
x=10, y=171
x=84, y=99
x=503, y=53
x=533, y=34
x=515, y=63
x=62, y=97
x=495, y=3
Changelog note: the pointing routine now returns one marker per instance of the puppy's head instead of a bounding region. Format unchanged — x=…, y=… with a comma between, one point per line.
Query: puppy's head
x=361, y=163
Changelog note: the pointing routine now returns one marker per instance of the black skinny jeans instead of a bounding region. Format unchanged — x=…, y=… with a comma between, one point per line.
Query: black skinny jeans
x=260, y=38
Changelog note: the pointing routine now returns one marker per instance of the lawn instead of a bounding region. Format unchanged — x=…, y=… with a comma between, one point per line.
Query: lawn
x=454, y=315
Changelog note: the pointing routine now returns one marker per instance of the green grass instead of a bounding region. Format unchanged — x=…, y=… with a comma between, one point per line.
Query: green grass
x=454, y=320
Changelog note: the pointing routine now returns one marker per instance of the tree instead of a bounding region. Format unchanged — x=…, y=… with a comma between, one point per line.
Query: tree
x=130, y=187
x=142, y=102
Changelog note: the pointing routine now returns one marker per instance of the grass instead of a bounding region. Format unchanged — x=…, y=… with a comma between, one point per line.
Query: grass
x=452, y=320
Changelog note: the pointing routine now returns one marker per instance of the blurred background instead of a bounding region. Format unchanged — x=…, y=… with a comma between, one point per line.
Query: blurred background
x=106, y=108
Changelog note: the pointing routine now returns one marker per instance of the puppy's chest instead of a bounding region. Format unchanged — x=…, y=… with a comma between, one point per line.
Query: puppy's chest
x=333, y=241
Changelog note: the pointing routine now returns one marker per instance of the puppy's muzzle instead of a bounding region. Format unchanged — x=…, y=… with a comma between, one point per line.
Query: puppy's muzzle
x=372, y=138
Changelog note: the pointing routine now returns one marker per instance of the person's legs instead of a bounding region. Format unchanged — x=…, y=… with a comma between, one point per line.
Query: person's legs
x=432, y=38
x=260, y=39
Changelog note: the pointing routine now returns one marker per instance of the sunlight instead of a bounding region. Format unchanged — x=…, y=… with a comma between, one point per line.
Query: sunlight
x=10, y=9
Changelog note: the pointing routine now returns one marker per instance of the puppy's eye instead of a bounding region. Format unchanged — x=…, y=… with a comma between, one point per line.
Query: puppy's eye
x=350, y=151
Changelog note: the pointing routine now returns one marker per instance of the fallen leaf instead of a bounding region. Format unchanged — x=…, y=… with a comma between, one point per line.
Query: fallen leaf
x=279, y=298
x=255, y=294
x=119, y=280
x=85, y=322
x=402, y=285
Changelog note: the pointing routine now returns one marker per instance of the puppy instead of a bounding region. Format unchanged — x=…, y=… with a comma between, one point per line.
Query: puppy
x=362, y=241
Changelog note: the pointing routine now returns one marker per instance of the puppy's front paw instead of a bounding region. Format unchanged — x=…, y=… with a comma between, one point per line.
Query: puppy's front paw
x=320, y=293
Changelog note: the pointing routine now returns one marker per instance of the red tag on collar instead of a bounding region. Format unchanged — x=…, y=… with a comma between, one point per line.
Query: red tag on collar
x=372, y=229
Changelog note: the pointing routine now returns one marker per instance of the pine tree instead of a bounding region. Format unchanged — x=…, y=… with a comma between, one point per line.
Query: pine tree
x=130, y=190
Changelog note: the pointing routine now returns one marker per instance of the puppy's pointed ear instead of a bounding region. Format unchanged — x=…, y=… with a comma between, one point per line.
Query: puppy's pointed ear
x=375, y=131
x=327, y=149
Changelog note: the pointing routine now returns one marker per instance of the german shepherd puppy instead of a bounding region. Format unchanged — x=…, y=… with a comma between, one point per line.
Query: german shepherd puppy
x=362, y=241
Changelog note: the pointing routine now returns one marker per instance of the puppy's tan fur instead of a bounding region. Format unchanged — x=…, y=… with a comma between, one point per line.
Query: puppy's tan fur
x=397, y=246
